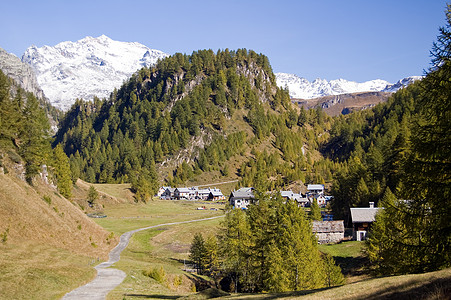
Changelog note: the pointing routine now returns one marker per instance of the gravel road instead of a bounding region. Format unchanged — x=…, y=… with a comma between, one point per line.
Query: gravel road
x=108, y=278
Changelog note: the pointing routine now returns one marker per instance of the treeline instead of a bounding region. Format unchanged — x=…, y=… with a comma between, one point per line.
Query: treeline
x=25, y=136
x=270, y=248
x=370, y=146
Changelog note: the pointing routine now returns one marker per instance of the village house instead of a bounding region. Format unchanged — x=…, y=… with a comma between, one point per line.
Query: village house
x=161, y=190
x=168, y=193
x=320, y=199
x=362, y=219
x=315, y=188
x=329, y=232
x=302, y=201
x=290, y=195
x=182, y=193
x=242, y=198
x=215, y=195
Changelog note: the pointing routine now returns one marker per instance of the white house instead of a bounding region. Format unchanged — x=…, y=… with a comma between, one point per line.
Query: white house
x=315, y=188
x=161, y=190
x=242, y=198
x=168, y=194
x=181, y=193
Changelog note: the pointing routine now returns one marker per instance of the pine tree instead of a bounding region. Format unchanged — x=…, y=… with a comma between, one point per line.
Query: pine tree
x=212, y=263
x=380, y=241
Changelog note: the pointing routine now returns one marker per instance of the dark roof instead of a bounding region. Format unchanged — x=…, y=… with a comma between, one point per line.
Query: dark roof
x=216, y=193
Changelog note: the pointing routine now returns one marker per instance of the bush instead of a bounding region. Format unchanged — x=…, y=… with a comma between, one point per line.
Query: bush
x=156, y=273
x=4, y=235
x=47, y=199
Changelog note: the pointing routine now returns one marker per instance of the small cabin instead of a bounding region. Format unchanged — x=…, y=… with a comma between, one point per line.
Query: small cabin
x=362, y=219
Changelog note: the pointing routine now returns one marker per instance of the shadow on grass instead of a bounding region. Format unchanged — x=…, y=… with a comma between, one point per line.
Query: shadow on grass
x=352, y=266
x=151, y=296
x=439, y=288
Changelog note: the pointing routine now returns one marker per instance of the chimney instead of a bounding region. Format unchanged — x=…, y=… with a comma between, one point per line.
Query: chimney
x=371, y=204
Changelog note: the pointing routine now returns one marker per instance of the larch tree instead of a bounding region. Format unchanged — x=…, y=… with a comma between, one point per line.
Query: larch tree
x=62, y=172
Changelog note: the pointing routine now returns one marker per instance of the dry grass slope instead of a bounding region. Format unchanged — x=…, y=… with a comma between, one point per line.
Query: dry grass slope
x=47, y=245
x=27, y=216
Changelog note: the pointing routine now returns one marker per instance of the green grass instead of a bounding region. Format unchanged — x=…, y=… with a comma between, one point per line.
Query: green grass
x=165, y=247
x=125, y=217
x=344, y=249
x=349, y=256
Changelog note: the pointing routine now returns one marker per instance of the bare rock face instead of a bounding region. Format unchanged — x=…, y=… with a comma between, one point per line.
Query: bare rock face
x=20, y=72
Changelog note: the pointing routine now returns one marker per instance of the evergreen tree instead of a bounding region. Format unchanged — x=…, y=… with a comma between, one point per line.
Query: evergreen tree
x=416, y=233
x=212, y=263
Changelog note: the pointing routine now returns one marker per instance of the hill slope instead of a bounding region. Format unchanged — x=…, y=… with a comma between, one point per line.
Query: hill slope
x=217, y=113
x=53, y=220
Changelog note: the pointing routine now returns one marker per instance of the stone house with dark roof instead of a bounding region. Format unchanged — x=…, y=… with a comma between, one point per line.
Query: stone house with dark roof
x=329, y=232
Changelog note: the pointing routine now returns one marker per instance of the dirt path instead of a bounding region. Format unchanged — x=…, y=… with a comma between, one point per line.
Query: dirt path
x=108, y=278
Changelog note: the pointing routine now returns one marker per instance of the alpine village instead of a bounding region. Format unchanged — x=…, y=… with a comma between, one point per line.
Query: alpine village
x=200, y=177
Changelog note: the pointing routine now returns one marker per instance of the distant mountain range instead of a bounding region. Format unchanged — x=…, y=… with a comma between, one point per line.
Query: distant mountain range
x=87, y=68
x=301, y=88
x=95, y=66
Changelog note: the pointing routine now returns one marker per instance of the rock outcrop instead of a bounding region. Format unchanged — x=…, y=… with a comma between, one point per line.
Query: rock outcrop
x=20, y=72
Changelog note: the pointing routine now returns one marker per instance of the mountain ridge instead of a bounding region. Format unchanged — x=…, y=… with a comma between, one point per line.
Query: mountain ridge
x=301, y=88
x=87, y=68
x=20, y=72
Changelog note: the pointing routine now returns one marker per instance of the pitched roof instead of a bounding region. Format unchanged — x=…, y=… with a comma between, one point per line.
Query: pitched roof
x=363, y=214
x=243, y=193
x=315, y=187
x=216, y=193
x=286, y=194
x=328, y=226
x=183, y=190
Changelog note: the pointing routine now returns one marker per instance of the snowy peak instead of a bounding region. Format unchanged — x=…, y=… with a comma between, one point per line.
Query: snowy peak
x=87, y=68
x=402, y=83
x=301, y=88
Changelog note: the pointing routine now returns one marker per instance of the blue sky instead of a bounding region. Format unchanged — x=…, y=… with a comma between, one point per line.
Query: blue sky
x=352, y=39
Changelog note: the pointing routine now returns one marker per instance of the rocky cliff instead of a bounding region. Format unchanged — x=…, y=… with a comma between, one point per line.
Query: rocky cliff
x=20, y=72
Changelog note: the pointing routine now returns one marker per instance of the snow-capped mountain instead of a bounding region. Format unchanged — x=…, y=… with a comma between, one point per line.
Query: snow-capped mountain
x=401, y=83
x=301, y=88
x=87, y=68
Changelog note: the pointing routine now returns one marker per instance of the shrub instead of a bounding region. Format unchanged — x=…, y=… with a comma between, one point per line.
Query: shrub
x=156, y=273
x=47, y=199
x=4, y=235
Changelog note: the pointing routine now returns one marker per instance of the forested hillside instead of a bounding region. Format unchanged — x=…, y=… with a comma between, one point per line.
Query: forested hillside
x=399, y=153
x=195, y=112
